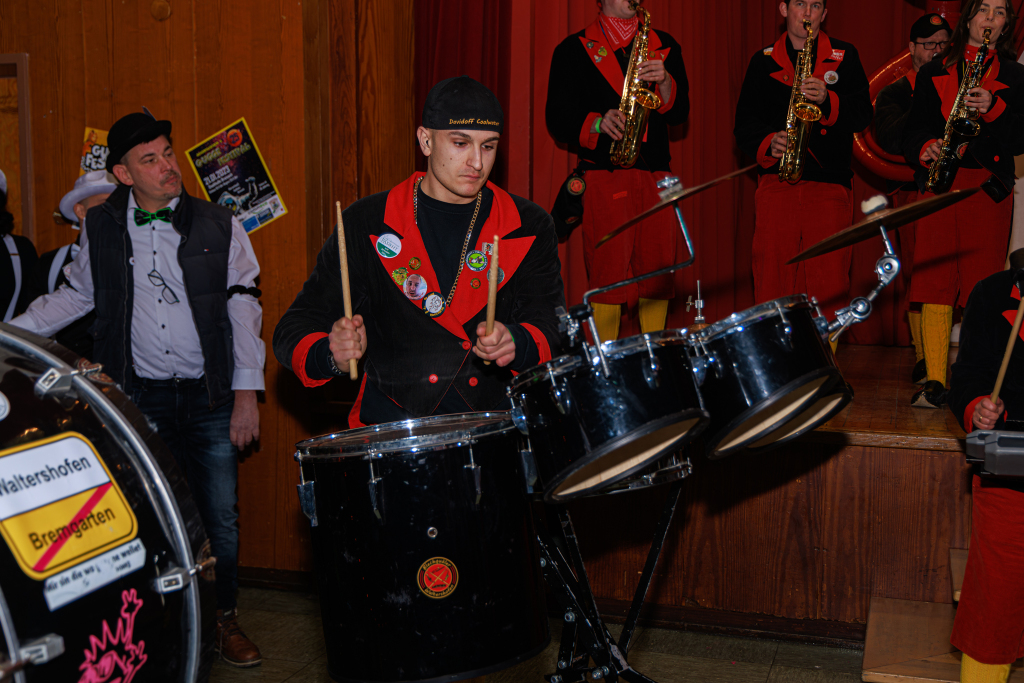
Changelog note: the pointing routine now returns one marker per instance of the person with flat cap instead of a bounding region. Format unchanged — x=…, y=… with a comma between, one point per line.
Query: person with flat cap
x=91, y=189
x=929, y=36
x=424, y=343
x=172, y=281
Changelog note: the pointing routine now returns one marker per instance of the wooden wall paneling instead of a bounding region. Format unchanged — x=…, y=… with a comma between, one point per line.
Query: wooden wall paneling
x=317, y=96
x=344, y=109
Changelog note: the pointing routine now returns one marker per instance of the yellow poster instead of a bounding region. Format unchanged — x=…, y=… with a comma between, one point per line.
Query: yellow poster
x=94, y=151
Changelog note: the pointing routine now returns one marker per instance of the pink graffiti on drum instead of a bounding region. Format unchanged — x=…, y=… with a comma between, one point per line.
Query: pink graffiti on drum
x=113, y=657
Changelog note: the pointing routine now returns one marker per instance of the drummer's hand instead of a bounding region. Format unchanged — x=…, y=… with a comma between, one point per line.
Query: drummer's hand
x=987, y=413
x=245, y=419
x=498, y=346
x=613, y=124
x=931, y=154
x=348, y=340
x=980, y=99
x=814, y=89
x=780, y=143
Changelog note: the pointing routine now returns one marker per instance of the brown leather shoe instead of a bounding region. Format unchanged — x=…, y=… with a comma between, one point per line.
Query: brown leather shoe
x=234, y=647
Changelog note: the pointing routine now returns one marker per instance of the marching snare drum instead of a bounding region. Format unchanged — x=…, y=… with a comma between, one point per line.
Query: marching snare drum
x=100, y=534
x=424, y=548
x=589, y=431
x=767, y=375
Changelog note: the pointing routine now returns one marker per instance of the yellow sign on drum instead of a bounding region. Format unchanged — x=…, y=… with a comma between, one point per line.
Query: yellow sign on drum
x=59, y=506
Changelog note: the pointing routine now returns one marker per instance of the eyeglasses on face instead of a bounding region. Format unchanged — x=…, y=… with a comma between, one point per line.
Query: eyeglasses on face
x=932, y=44
x=158, y=281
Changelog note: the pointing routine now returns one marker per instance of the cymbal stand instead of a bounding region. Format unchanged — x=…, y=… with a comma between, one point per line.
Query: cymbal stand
x=887, y=268
x=585, y=312
x=584, y=634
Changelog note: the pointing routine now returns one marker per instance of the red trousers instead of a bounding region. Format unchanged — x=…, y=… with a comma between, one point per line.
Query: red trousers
x=989, y=623
x=612, y=198
x=789, y=219
x=960, y=245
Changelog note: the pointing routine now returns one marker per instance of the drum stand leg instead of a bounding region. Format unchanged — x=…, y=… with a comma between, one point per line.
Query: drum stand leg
x=584, y=635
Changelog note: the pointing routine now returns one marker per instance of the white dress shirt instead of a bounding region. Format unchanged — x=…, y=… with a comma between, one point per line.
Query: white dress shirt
x=165, y=342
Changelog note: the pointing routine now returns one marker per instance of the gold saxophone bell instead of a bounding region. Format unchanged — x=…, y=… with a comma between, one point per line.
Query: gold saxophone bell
x=800, y=115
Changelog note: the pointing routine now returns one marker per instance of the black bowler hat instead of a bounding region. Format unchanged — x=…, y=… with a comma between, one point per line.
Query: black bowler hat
x=928, y=25
x=462, y=103
x=133, y=129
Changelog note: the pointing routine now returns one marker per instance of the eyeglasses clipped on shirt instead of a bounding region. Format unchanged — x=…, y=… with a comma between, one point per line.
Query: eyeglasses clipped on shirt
x=158, y=281
x=932, y=44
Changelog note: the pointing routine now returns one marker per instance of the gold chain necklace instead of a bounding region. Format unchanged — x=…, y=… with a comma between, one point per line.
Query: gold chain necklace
x=465, y=243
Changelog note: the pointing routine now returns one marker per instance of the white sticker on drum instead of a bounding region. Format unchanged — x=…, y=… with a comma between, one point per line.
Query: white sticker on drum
x=79, y=581
x=5, y=406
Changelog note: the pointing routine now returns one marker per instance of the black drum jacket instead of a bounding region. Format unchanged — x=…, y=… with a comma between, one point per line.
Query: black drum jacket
x=1002, y=127
x=764, y=103
x=411, y=357
x=586, y=81
x=984, y=331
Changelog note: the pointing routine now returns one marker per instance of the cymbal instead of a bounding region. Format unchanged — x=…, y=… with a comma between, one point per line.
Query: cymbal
x=673, y=195
x=890, y=218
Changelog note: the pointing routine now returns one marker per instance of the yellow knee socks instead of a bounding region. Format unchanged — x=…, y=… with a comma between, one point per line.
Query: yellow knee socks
x=914, y=318
x=973, y=671
x=936, y=324
x=607, y=317
x=653, y=313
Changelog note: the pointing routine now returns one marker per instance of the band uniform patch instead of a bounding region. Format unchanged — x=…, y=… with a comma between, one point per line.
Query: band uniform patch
x=437, y=578
x=769, y=50
x=577, y=186
x=961, y=150
x=837, y=55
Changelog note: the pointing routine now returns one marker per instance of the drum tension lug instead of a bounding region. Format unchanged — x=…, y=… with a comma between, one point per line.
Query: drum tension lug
x=651, y=367
x=177, y=578
x=529, y=469
x=54, y=380
x=307, y=501
x=376, y=491
x=477, y=472
x=42, y=650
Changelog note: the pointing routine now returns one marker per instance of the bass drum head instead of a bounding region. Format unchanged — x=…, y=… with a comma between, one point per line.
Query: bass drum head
x=92, y=511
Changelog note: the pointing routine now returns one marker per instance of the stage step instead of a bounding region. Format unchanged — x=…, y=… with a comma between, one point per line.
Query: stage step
x=957, y=564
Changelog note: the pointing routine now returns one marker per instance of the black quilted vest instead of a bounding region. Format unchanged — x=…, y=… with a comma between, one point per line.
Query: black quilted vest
x=205, y=231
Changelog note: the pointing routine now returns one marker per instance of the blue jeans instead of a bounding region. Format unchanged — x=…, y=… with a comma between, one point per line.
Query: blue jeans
x=200, y=440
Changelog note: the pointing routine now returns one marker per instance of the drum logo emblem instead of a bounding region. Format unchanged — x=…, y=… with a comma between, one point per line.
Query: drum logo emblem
x=437, y=578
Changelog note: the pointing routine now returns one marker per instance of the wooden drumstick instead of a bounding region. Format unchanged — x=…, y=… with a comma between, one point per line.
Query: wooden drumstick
x=346, y=290
x=492, y=289
x=1009, y=350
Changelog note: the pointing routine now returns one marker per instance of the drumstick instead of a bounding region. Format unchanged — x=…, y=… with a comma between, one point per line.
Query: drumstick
x=492, y=289
x=346, y=291
x=1009, y=350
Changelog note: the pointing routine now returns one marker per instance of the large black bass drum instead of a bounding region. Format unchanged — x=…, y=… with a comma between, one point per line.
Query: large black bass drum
x=101, y=539
x=424, y=548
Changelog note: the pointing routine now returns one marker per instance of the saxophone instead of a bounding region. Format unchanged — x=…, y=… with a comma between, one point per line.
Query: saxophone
x=636, y=99
x=801, y=114
x=961, y=126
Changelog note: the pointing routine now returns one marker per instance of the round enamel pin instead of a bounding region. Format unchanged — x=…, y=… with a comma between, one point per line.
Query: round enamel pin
x=831, y=77
x=415, y=287
x=433, y=305
x=389, y=246
x=399, y=275
x=602, y=51
x=501, y=274
x=476, y=260
x=475, y=283
x=414, y=263
x=576, y=186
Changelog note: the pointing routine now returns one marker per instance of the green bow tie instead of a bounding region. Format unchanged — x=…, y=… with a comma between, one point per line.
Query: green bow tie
x=142, y=217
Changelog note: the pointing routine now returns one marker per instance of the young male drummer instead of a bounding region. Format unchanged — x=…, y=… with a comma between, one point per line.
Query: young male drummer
x=424, y=345
x=793, y=216
x=990, y=617
x=964, y=243
x=582, y=111
x=929, y=36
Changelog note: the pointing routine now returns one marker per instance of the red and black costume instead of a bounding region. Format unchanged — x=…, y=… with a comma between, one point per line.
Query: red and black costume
x=990, y=618
x=419, y=363
x=968, y=241
x=792, y=217
x=587, y=74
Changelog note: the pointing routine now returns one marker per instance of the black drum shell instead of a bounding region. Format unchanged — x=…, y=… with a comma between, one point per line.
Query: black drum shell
x=599, y=414
x=378, y=624
x=758, y=363
x=162, y=623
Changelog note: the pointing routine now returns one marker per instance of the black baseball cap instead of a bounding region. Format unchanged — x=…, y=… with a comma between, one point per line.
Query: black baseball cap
x=133, y=129
x=462, y=103
x=928, y=25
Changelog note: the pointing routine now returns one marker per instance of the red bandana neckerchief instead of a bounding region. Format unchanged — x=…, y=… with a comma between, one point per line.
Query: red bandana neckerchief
x=619, y=32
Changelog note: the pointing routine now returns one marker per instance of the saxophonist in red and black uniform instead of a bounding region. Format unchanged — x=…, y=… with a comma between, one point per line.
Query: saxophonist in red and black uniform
x=791, y=216
x=584, y=95
x=963, y=244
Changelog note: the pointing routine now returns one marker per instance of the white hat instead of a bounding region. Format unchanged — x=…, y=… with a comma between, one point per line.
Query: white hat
x=3, y=182
x=93, y=182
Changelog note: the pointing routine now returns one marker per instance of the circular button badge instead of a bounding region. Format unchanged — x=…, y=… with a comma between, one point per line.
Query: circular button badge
x=389, y=246
x=415, y=287
x=433, y=305
x=437, y=578
x=476, y=260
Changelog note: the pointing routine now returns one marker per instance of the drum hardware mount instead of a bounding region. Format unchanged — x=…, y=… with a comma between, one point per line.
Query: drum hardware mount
x=375, y=486
x=307, y=501
x=585, y=311
x=60, y=380
x=652, y=366
x=886, y=268
x=476, y=472
x=785, y=330
x=39, y=651
x=529, y=469
x=176, y=578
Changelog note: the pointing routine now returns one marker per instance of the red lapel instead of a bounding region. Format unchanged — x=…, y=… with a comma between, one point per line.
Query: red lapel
x=826, y=60
x=594, y=42
x=948, y=85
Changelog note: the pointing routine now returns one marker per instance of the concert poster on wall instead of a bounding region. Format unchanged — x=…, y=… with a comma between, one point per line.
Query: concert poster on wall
x=232, y=173
x=94, y=151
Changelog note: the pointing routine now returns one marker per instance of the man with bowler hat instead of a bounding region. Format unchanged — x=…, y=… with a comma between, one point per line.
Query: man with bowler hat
x=172, y=281
x=425, y=341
